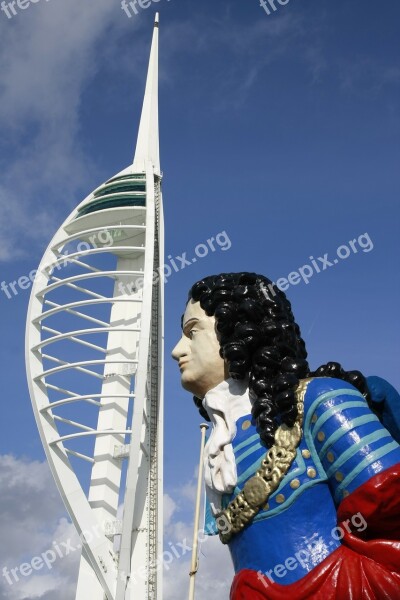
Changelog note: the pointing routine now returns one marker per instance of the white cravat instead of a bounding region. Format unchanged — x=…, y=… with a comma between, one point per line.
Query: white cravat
x=225, y=404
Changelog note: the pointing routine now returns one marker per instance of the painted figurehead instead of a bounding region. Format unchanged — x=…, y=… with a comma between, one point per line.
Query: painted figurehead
x=287, y=456
x=238, y=330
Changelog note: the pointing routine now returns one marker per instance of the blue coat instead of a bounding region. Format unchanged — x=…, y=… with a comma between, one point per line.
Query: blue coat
x=343, y=445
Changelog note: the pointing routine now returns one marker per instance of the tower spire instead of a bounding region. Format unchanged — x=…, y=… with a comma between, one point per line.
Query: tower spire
x=147, y=145
x=125, y=421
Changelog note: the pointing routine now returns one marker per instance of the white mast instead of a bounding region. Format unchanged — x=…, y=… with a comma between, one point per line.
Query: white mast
x=148, y=145
x=94, y=363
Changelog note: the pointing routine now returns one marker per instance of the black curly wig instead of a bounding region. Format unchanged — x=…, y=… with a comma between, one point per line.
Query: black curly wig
x=260, y=339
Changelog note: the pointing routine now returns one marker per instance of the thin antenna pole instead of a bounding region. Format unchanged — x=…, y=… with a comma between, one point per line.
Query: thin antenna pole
x=195, y=561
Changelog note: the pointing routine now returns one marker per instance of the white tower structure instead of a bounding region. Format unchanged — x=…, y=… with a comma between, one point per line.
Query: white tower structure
x=94, y=355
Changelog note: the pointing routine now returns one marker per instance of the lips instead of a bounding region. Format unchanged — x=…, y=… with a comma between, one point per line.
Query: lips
x=182, y=364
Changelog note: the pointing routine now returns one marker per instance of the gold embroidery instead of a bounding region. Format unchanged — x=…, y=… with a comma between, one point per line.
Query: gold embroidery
x=265, y=482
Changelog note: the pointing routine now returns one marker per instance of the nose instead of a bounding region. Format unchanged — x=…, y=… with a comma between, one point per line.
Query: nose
x=181, y=349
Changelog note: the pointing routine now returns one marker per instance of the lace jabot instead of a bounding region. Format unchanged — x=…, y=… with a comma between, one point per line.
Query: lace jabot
x=225, y=404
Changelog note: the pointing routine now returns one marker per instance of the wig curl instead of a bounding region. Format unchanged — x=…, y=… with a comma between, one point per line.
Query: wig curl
x=260, y=340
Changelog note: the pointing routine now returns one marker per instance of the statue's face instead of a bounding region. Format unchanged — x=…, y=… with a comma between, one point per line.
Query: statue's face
x=197, y=351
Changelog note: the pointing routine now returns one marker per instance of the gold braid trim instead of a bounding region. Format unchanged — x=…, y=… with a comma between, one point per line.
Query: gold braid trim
x=274, y=467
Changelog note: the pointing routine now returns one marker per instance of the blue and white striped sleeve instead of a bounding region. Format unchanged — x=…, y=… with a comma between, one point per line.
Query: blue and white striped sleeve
x=349, y=440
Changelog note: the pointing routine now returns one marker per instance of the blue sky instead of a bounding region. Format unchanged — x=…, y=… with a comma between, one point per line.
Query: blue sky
x=281, y=130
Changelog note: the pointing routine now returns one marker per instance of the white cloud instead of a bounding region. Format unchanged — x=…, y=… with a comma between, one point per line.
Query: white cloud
x=29, y=505
x=214, y=576
x=16, y=219
x=215, y=573
x=32, y=517
x=48, y=56
x=169, y=507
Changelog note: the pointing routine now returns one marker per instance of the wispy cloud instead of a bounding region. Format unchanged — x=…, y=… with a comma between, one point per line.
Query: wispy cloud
x=368, y=75
x=252, y=46
x=48, y=57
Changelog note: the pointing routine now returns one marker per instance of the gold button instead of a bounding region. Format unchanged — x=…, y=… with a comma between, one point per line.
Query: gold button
x=280, y=498
x=339, y=476
x=314, y=419
x=246, y=425
x=321, y=436
x=295, y=483
x=311, y=472
x=256, y=491
x=330, y=457
x=306, y=453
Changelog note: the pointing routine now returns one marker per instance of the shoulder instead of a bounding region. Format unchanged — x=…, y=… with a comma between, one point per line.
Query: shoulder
x=334, y=402
x=333, y=409
x=347, y=436
x=324, y=392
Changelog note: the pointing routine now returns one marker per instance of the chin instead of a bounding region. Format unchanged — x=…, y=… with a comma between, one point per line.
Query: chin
x=190, y=386
x=187, y=383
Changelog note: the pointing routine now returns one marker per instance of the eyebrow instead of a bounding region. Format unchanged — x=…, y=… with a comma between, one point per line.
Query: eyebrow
x=189, y=322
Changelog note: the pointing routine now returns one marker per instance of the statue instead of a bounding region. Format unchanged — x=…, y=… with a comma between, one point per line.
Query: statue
x=302, y=477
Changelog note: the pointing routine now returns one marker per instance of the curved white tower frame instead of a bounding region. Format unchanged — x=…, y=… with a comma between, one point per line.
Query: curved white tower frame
x=94, y=355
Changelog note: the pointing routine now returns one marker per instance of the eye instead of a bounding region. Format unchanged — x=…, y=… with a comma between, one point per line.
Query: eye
x=191, y=332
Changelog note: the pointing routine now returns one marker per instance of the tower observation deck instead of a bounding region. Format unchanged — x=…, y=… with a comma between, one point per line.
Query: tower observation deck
x=94, y=356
